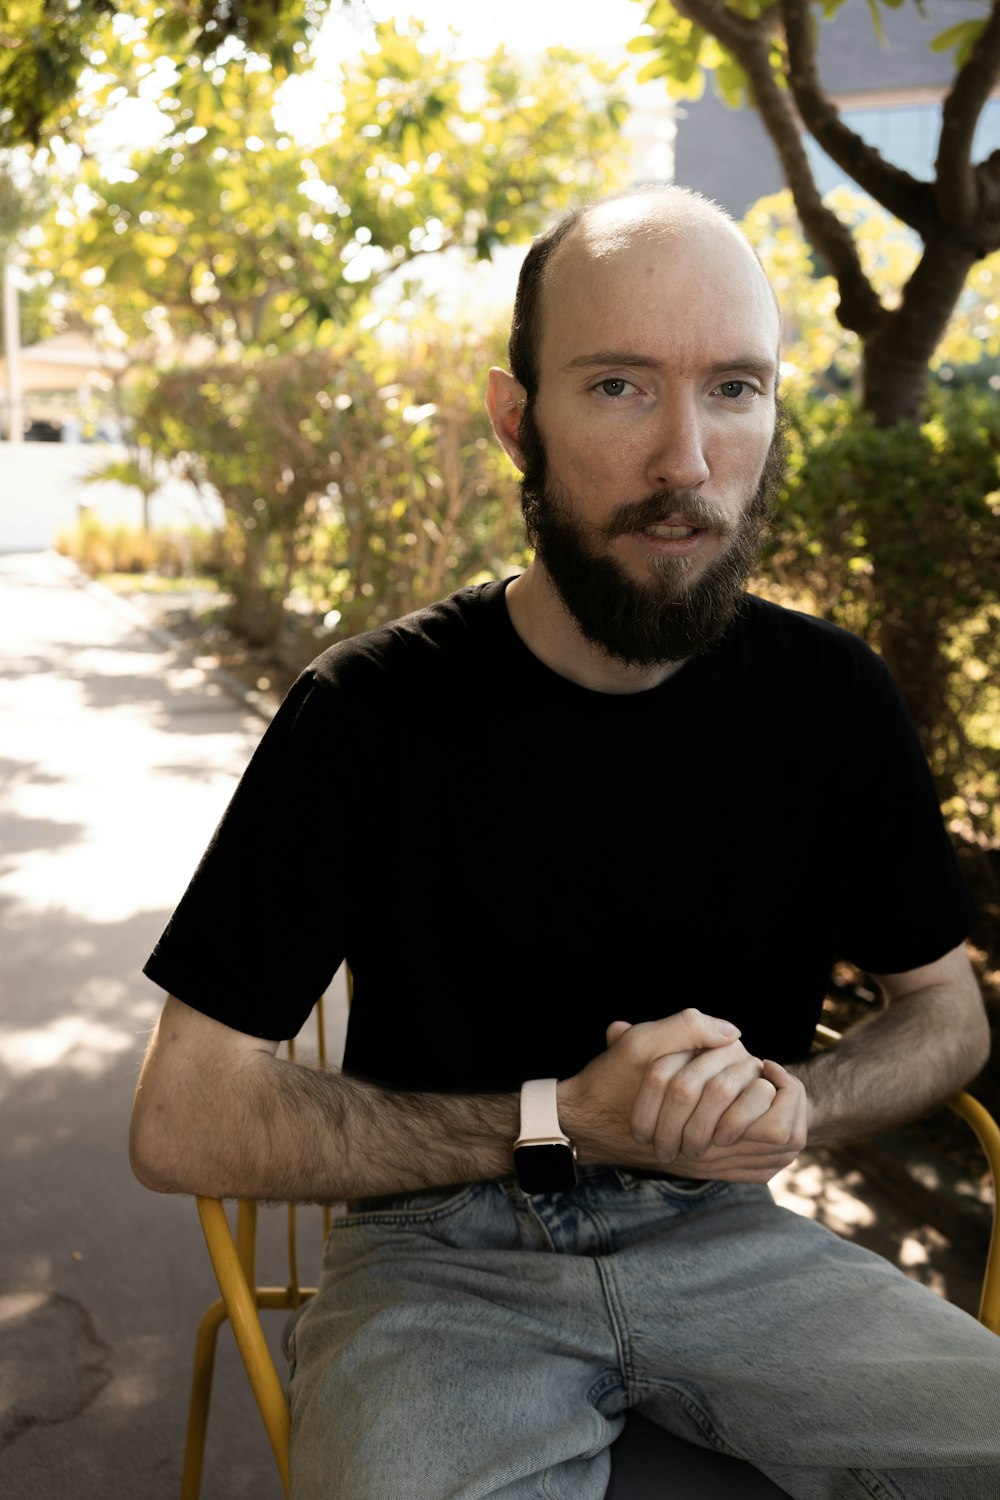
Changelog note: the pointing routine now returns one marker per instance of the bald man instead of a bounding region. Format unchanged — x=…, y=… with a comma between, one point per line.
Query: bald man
x=588, y=845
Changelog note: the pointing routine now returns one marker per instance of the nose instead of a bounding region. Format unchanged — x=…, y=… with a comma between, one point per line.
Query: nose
x=676, y=457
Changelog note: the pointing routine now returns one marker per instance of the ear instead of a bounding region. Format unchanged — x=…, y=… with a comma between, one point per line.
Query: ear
x=505, y=401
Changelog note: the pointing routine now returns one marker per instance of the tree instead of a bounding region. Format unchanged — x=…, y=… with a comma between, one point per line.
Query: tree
x=46, y=46
x=764, y=52
x=230, y=230
x=258, y=434
x=863, y=509
x=892, y=531
x=364, y=474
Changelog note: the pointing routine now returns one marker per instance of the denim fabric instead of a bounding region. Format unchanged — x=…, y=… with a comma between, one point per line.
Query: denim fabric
x=473, y=1342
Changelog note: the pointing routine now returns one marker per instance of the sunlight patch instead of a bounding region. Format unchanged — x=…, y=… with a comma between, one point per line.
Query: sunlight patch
x=76, y=1042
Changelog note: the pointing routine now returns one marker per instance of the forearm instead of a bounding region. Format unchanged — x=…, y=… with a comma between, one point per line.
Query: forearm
x=323, y=1136
x=895, y=1066
x=252, y=1125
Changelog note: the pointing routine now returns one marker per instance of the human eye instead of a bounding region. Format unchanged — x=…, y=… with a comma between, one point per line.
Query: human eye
x=737, y=390
x=613, y=387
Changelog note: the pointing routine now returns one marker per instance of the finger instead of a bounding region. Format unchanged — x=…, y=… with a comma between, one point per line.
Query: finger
x=754, y=1102
x=685, y=1031
x=740, y=1163
x=786, y=1122
x=649, y=1100
x=721, y=1093
x=788, y=1081
x=781, y=1077
x=615, y=1030
x=672, y=1090
x=664, y=1047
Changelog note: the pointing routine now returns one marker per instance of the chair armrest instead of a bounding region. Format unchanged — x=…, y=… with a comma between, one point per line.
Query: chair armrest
x=979, y=1119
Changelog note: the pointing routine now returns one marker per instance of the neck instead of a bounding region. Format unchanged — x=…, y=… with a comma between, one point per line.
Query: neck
x=550, y=632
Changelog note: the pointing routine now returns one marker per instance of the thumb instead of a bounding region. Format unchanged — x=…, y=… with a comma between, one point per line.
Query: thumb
x=615, y=1030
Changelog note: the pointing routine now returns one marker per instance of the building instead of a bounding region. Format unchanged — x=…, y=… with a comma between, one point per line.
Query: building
x=889, y=93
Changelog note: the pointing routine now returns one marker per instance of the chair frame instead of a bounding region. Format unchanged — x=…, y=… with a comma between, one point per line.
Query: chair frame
x=234, y=1261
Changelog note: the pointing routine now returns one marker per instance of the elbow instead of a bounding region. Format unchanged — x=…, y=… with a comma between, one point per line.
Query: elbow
x=981, y=1046
x=162, y=1150
x=977, y=1041
x=149, y=1161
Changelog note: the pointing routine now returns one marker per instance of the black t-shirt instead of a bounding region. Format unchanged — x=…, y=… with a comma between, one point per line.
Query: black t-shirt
x=510, y=861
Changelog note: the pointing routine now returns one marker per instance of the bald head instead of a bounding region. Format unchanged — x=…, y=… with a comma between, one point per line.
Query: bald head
x=666, y=221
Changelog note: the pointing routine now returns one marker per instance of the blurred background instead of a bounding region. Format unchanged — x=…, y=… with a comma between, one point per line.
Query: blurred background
x=257, y=257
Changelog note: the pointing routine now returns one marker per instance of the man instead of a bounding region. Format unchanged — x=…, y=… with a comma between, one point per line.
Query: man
x=575, y=826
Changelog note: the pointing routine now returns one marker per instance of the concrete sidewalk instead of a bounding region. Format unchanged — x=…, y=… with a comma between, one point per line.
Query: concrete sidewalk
x=117, y=757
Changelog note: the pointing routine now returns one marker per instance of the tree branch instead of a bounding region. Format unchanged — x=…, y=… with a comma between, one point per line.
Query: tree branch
x=987, y=232
x=860, y=308
x=903, y=195
x=962, y=194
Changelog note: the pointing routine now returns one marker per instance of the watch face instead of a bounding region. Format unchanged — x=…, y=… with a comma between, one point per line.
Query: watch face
x=545, y=1168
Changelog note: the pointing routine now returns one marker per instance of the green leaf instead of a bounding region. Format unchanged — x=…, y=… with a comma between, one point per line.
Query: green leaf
x=961, y=38
x=873, y=11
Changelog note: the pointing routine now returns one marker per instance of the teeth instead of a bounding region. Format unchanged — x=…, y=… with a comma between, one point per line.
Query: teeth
x=671, y=533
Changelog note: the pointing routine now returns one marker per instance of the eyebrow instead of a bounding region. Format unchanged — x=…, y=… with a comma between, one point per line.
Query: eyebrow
x=750, y=362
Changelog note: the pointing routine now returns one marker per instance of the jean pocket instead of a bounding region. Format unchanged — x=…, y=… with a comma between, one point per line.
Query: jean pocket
x=408, y=1209
x=688, y=1190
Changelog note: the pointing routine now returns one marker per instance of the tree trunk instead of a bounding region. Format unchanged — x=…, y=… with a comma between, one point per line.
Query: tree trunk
x=256, y=613
x=898, y=352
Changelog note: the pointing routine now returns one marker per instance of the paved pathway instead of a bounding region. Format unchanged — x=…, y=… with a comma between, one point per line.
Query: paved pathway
x=116, y=760
x=117, y=756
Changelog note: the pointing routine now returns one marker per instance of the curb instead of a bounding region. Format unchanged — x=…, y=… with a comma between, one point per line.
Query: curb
x=249, y=698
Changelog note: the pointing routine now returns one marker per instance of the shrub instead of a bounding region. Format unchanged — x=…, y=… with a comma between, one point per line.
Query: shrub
x=893, y=532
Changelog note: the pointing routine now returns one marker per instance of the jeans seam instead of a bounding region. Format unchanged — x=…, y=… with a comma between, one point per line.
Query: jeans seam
x=699, y=1417
x=875, y=1486
x=619, y=1326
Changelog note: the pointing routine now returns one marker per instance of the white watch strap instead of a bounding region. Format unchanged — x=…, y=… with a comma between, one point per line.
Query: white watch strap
x=540, y=1110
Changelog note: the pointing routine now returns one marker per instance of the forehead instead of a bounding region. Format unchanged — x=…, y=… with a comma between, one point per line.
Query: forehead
x=683, y=289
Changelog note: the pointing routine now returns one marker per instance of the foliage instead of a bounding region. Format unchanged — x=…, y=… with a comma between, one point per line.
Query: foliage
x=101, y=549
x=230, y=230
x=257, y=434
x=136, y=470
x=422, y=502
x=363, y=475
x=46, y=46
x=763, y=52
x=138, y=467
x=684, y=47
x=893, y=533
x=817, y=352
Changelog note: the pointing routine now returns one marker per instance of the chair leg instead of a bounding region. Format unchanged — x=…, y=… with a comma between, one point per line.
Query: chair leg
x=201, y=1390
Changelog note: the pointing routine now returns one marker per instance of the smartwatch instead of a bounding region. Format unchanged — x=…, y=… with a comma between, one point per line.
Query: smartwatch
x=544, y=1158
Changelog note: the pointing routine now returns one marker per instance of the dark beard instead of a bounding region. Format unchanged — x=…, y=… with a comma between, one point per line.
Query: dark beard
x=667, y=618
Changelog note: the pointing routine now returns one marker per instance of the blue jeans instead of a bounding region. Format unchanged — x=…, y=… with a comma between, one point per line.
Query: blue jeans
x=473, y=1342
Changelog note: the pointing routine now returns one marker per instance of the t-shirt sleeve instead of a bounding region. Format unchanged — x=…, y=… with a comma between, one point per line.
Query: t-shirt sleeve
x=904, y=901
x=260, y=931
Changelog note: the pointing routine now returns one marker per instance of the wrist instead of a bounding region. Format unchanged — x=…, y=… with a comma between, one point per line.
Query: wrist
x=815, y=1115
x=544, y=1155
x=579, y=1120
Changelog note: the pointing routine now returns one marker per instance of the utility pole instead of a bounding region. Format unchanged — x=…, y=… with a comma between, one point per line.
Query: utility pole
x=12, y=346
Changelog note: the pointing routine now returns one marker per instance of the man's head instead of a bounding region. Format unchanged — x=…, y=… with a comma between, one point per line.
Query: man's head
x=641, y=411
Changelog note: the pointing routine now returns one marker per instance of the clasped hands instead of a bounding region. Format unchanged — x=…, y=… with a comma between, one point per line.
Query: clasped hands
x=683, y=1095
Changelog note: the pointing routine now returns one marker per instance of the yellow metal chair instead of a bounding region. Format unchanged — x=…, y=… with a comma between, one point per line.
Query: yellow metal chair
x=233, y=1259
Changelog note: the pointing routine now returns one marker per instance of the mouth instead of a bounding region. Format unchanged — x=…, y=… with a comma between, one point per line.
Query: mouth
x=675, y=536
x=672, y=531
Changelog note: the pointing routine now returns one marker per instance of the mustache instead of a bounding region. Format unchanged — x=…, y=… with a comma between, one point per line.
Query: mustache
x=636, y=515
